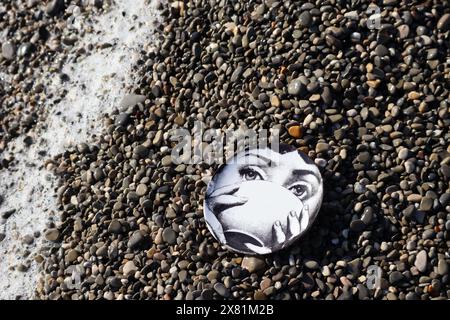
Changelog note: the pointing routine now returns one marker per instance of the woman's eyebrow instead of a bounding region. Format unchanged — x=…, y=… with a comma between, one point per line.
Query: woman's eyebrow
x=298, y=173
x=252, y=159
x=265, y=159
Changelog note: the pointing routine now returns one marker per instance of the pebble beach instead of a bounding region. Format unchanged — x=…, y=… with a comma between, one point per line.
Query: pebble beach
x=92, y=205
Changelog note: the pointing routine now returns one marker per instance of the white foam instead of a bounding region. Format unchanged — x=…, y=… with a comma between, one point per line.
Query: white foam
x=97, y=82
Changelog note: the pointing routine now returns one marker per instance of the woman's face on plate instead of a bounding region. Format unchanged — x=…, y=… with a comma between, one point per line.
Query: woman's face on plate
x=291, y=173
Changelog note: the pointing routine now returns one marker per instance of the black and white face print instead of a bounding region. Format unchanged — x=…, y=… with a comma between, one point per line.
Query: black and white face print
x=262, y=200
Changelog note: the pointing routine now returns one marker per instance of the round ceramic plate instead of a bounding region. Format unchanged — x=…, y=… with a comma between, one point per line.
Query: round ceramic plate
x=263, y=200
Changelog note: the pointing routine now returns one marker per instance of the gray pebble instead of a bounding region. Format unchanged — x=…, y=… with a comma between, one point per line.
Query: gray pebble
x=166, y=161
x=54, y=7
x=25, y=49
x=442, y=267
x=8, y=50
x=129, y=268
x=169, y=236
x=141, y=189
x=381, y=50
x=131, y=100
x=367, y=216
x=395, y=277
x=115, y=227
x=295, y=87
x=136, y=239
x=421, y=261
x=444, y=199
x=444, y=23
x=305, y=19
x=426, y=204
x=403, y=154
x=311, y=264
x=221, y=290
x=28, y=239
x=122, y=119
x=140, y=151
x=428, y=234
x=236, y=74
x=412, y=296
x=357, y=225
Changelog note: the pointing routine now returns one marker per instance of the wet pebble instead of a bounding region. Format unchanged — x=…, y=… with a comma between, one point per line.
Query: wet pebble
x=131, y=100
x=52, y=235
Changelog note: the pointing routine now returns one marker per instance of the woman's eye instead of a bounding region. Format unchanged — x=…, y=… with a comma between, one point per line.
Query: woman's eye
x=250, y=174
x=300, y=191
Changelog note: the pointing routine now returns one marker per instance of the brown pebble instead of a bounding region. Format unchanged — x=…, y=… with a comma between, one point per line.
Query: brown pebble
x=253, y=264
x=52, y=235
x=275, y=101
x=413, y=95
x=259, y=295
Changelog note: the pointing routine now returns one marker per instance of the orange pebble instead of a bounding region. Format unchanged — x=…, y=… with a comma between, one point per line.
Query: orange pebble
x=295, y=131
